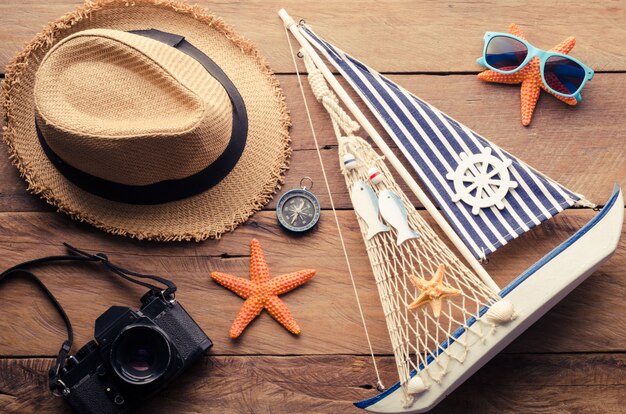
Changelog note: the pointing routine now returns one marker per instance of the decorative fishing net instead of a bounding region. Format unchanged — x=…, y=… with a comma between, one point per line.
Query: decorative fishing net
x=419, y=339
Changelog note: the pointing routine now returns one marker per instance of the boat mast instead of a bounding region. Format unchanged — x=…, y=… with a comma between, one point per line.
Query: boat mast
x=378, y=140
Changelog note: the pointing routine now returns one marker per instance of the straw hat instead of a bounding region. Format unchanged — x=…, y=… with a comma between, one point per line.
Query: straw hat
x=175, y=133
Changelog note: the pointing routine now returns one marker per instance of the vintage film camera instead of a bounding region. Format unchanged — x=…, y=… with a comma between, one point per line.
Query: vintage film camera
x=135, y=354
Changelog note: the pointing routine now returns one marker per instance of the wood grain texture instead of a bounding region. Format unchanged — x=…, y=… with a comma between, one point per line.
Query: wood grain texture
x=583, y=148
x=324, y=307
x=537, y=383
x=571, y=361
x=393, y=36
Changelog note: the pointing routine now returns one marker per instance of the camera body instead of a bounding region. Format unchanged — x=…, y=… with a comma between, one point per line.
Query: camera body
x=135, y=354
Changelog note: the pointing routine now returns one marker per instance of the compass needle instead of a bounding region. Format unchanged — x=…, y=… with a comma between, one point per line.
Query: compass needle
x=298, y=209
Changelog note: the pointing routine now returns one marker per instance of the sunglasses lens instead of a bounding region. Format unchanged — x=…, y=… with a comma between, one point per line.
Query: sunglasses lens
x=563, y=75
x=505, y=53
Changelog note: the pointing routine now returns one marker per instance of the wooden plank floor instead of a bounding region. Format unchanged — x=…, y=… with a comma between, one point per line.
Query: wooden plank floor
x=572, y=360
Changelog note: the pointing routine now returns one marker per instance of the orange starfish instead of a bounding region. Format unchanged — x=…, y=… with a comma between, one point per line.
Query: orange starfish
x=530, y=77
x=260, y=292
x=433, y=291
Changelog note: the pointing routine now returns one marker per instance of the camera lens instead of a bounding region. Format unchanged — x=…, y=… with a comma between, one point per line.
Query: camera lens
x=140, y=355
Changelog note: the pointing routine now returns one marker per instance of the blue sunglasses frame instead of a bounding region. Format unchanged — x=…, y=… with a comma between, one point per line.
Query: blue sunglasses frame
x=543, y=57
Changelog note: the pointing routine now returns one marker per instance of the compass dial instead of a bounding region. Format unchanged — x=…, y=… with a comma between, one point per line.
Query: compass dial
x=298, y=210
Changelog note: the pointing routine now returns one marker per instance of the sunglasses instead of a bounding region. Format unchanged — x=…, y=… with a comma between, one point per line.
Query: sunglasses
x=561, y=74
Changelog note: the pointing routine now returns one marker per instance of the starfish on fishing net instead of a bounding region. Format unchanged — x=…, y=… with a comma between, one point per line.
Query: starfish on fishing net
x=433, y=291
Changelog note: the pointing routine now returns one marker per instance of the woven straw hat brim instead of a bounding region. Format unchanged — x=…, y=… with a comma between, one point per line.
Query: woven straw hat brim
x=249, y=186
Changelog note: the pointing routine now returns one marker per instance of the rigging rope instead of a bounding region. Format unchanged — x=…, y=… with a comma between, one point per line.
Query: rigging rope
x=332, y=205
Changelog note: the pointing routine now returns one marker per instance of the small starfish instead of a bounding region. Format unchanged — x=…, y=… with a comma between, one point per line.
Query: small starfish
x=262, y=293
x=530, y=77
x=433, y=291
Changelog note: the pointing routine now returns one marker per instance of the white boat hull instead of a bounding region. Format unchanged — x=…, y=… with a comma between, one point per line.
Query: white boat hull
x=533, y=293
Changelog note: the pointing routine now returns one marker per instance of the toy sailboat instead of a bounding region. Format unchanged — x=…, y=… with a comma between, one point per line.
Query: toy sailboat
x=445, y=319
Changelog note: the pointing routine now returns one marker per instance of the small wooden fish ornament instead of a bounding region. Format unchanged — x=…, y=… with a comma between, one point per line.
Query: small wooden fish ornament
x=393, y=211
x=365, y=205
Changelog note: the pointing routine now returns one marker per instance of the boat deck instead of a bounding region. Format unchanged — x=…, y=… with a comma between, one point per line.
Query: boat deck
x=572, y=360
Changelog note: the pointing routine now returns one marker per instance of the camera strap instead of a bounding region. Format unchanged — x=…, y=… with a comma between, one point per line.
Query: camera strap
x=77, y=255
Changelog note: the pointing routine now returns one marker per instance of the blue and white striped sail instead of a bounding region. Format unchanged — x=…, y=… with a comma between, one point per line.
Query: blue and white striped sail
x=489, y=196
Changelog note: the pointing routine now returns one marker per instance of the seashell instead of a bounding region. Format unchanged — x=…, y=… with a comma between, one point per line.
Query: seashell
x=416, y=385
x=349, y=161
x=375, y=176
x=500, y=312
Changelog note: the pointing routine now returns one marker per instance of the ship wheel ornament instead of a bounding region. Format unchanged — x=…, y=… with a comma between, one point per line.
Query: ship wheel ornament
x=481, y=180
